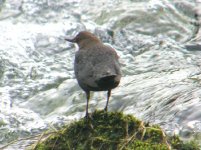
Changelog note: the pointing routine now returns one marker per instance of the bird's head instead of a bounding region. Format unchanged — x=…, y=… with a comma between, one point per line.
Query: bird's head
x=84, y=38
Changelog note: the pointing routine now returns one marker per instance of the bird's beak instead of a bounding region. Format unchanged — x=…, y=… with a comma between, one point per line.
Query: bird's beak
x=70, y=40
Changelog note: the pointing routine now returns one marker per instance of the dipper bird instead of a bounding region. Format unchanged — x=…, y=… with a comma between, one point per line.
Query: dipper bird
x=96, y=65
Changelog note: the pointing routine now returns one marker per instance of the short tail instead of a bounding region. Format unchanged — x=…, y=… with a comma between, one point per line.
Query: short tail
x=108, y=82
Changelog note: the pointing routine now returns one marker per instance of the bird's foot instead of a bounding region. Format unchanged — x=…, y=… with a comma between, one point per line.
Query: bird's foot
x=88, y=121
x=105, y=109
x=88, y=117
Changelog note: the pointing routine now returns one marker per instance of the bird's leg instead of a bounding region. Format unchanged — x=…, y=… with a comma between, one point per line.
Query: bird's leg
x=88, y=96
x=108, y=96
x=89, y=124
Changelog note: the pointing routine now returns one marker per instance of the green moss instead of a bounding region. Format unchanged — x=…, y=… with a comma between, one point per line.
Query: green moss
x=2, y=123
x=112, y=131
x=179, y=144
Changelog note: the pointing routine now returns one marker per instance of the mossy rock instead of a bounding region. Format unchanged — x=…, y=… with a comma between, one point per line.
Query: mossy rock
x=112, y=131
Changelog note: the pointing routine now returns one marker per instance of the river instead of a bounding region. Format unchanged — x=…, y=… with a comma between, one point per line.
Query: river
x=159, y=44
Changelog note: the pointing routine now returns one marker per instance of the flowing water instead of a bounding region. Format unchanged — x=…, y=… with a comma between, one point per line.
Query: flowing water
x=158, y=42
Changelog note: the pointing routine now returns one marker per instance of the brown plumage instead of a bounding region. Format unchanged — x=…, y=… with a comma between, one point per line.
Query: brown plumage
x=96, y=65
